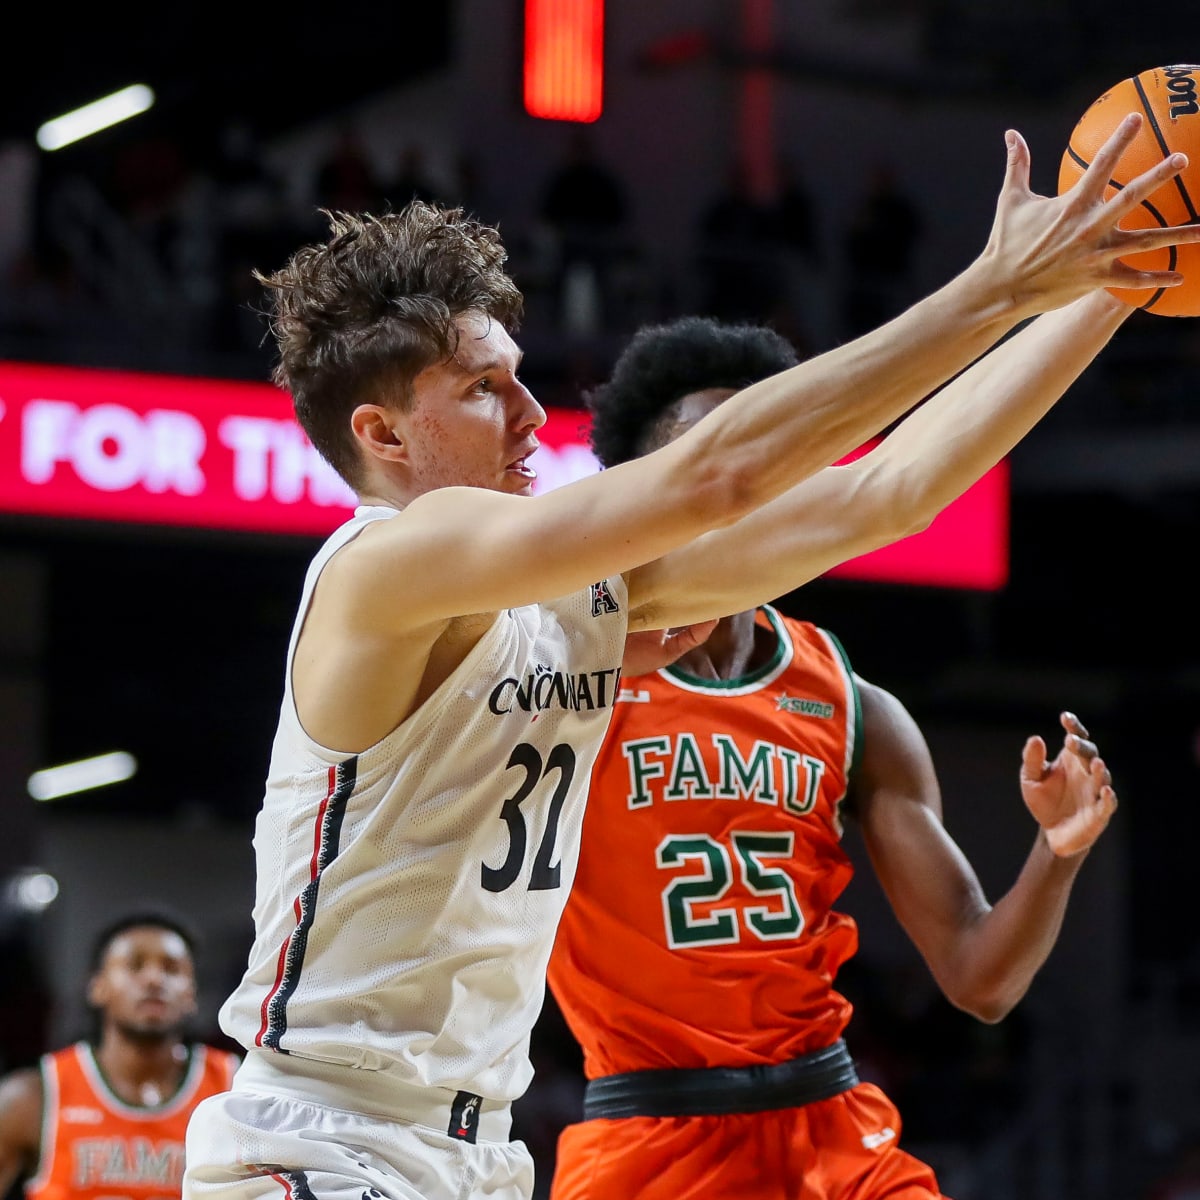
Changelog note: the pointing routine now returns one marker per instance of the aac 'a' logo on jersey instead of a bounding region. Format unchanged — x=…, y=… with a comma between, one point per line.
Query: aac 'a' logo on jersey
x=602, y=599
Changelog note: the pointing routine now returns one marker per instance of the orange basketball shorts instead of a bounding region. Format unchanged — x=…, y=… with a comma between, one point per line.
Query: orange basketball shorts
x=843, y=1148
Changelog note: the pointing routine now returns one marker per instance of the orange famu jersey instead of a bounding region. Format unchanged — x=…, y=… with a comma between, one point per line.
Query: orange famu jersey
x=96, y=1146
x=699, y=930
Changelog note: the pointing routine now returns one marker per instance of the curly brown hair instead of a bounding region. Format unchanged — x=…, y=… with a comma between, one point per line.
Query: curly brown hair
x=357, y=318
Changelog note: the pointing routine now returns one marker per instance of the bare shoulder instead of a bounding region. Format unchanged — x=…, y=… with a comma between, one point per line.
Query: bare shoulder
x=365, y=586
x=885, y=719
x=376, y=642
x=398, y=575
x=435, y=519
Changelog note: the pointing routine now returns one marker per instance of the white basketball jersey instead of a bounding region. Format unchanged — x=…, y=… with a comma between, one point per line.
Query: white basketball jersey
x=408, y=896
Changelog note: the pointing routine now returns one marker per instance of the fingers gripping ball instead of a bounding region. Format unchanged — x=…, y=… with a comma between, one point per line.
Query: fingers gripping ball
x=1169, y=99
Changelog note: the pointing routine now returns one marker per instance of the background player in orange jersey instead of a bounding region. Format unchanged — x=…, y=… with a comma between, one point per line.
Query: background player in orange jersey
x=108, y=1120
x=699, y=977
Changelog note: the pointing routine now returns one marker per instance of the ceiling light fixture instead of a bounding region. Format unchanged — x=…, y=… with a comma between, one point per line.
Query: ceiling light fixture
x=81, y=776
x=91, y=118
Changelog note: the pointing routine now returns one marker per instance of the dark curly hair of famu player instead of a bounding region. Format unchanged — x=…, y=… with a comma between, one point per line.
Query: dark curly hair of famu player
x=356, y=319
x=140, y=919
x=665, y=362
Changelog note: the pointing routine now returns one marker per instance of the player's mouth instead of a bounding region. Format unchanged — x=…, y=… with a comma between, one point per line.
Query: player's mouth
x=521, y=468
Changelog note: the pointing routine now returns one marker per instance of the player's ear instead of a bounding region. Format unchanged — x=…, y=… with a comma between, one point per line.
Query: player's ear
x=96, y=991
x=378, y=431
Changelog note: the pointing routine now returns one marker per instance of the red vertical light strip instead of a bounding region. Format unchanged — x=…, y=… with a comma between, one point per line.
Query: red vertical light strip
x=564, y=59
x=756, y=116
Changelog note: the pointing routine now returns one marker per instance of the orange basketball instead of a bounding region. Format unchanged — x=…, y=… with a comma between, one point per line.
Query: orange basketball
x=1169, y=100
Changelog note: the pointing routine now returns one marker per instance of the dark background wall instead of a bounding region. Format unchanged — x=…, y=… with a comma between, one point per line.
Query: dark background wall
x=171, y=644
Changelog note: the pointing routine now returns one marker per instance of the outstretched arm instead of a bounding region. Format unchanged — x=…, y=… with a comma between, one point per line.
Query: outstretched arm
x=464, y=552
x=385, y=601
x=983, y=957
x=929, y=459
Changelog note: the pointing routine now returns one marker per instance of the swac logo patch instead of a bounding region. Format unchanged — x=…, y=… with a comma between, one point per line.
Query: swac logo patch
x=81, y=1114
x=805, y=708
x=602, y=599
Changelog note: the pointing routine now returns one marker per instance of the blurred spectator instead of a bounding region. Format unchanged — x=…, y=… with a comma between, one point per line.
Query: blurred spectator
x=412, y=180
x=147, y=183
x=348, y=181
x=250, y=196
x=254, y=228
x=738, y=253
x=583, y=198
x=584, y=205
x=795, y=214
x=806, y=317
x=880, y=254
x=469, y=189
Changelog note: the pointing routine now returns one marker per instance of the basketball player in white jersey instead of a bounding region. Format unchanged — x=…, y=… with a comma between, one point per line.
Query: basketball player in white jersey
x=458, y=643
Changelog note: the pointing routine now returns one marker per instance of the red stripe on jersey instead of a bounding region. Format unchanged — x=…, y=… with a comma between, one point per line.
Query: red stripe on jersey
x=314, y=867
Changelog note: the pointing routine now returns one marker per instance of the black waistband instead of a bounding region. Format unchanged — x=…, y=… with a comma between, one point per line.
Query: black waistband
x=714, y=1091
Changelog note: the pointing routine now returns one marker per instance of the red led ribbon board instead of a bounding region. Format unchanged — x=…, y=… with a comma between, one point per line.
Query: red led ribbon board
x=564, y=59
x=91, y=445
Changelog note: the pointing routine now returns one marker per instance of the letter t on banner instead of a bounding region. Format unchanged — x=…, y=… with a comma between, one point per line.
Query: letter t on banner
x=564, y=59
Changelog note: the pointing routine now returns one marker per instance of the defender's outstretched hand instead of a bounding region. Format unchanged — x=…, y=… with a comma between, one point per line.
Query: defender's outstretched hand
x=1072, y=797
x=1054, y=249
x=653, y=649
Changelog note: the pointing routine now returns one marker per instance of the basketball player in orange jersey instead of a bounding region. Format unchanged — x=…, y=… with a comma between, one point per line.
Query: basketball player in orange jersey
x=108, y=1120
x=696, y=958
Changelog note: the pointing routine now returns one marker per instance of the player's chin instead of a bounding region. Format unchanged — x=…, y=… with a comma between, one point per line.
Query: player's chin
x=153, y=1030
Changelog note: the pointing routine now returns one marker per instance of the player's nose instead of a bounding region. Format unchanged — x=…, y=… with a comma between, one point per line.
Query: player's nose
x=527, y=413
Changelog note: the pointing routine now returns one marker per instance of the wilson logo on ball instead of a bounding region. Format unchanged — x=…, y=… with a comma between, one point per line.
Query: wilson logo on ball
x=1181, y=83
x=1168, y=100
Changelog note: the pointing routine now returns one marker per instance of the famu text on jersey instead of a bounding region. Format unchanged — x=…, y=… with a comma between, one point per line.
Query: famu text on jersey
x=666, y=768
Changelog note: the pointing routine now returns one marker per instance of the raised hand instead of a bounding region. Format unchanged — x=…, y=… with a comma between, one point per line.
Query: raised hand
x=1072, y=797
x=1053, y=249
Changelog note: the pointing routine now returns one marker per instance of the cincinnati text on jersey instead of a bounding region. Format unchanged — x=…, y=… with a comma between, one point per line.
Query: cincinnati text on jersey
x=553, y=688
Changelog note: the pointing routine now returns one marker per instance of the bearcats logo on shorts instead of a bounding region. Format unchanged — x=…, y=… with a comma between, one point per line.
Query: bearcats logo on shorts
x=464, y=1116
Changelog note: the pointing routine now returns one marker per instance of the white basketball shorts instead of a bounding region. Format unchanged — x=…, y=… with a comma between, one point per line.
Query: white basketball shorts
x=252, y=1143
